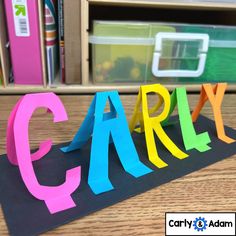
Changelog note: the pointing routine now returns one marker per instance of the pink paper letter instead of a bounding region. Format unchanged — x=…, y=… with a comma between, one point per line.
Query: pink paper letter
x=57, y=198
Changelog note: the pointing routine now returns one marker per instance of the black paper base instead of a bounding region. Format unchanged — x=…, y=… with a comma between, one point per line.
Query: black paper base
x=26, y=215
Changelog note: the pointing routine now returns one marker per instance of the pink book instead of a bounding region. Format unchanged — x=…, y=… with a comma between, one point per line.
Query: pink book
x=24, y=36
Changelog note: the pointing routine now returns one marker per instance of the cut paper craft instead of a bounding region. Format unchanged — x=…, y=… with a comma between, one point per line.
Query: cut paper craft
x=104, y=129
x=190, y=138
x=44, y=147
x=151, y=124
x=19, y=206
x=57, y=198
x=215, y=95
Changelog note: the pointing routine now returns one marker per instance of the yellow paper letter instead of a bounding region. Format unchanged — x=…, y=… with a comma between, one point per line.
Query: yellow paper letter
x=151, y=124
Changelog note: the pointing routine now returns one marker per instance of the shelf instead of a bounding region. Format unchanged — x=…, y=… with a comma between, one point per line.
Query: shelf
x=161, y=5
x=148, y=4
x=169, y=4
x=84, y=89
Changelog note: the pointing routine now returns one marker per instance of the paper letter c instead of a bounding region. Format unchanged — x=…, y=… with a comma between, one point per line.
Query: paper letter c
x=57, y=198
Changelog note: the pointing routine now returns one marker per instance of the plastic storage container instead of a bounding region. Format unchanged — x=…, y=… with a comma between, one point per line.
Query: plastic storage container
x=220, y=63
x=161, y=52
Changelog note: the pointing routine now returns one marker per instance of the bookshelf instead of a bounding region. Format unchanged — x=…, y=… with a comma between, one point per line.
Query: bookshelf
x=86, y=85
x=163, y=3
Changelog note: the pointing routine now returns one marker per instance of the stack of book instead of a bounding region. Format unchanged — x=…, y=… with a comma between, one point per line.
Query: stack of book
x=32, y=43
x=1, y=75
x=4, y=52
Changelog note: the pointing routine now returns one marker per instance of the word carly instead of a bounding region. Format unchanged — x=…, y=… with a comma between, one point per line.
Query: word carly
x=105, y=128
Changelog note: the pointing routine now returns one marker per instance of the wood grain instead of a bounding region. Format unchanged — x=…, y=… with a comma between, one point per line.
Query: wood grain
x=210, y=189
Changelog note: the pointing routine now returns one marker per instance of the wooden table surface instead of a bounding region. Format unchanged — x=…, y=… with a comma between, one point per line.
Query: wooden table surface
x=210, y=189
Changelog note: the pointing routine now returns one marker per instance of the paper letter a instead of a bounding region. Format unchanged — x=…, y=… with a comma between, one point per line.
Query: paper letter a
x=101, y=126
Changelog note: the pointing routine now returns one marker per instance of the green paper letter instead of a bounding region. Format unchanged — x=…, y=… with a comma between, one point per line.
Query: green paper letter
x=190, y=138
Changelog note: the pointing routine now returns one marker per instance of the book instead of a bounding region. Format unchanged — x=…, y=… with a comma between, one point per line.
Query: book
x=61, y=39
x=4, y=52
x=51, y=40
x=1, y=74
x=23, y=25
x=72, y=37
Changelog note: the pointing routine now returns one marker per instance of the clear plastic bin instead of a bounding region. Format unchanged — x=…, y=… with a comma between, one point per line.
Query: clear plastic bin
x=131, y=52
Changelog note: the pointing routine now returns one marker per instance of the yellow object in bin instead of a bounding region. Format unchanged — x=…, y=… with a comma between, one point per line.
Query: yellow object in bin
x=123, y=51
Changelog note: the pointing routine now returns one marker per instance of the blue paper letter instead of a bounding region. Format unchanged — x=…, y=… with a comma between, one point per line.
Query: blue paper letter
x=102, y=126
